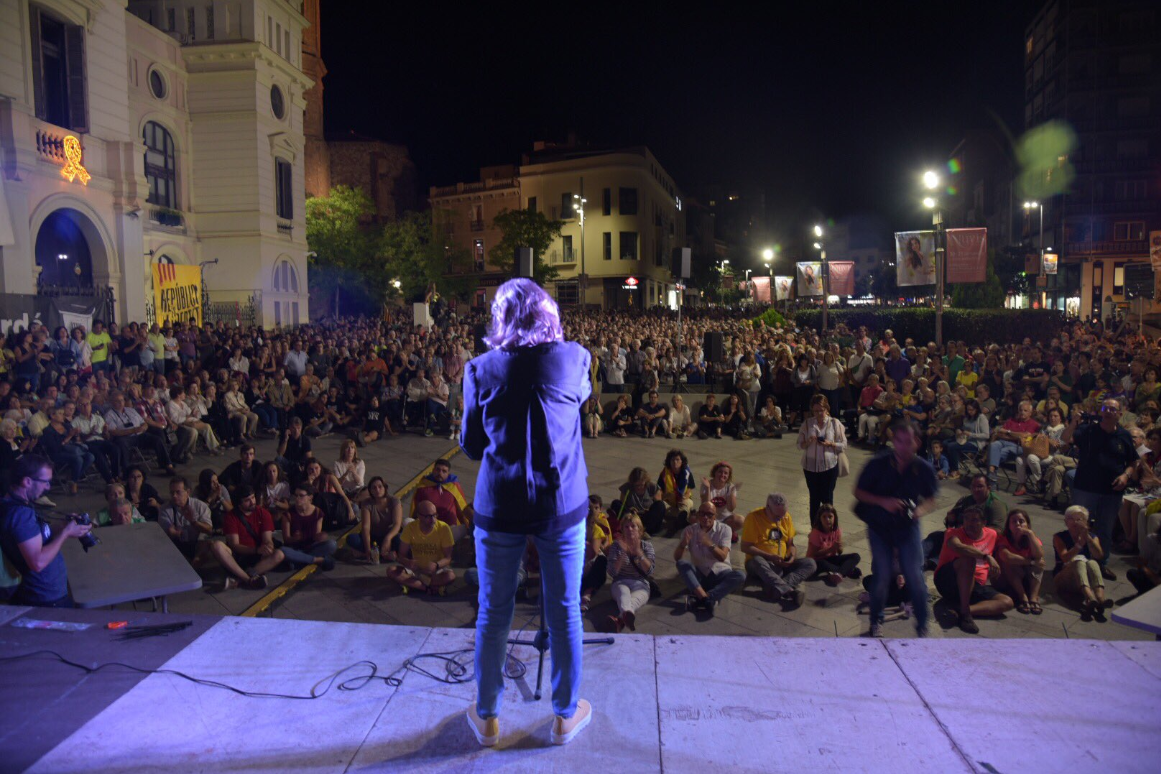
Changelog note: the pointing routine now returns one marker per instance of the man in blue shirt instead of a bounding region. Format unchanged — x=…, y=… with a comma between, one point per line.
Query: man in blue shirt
x=29, y=544
x=895, y=490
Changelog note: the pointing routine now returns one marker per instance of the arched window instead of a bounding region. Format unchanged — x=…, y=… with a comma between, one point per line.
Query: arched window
x=165, y=259
x=160, y=166
x=285, y=278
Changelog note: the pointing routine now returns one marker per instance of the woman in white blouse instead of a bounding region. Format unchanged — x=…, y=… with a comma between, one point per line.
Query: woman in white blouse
x=821, y=439
x=350, y=470
x=680, y=425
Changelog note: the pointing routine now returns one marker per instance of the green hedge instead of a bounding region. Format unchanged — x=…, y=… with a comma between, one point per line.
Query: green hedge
x=771, y=317
x=971, y=325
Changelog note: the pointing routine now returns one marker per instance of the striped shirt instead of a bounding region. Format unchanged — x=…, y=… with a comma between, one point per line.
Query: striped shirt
x=629, y=570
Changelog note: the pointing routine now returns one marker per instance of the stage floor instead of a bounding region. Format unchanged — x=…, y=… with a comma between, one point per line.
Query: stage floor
x=673, y=703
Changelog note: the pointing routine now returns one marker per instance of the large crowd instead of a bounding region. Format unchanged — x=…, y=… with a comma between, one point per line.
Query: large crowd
x=113, y=406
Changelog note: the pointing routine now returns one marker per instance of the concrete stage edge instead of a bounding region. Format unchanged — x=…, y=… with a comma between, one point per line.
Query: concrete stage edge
x=665, y=703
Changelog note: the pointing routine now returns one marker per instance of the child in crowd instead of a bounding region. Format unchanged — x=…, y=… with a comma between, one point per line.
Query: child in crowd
x=938, y=459
x=825, y=547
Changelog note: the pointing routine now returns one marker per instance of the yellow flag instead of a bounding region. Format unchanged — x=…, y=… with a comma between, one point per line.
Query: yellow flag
x=177, y=293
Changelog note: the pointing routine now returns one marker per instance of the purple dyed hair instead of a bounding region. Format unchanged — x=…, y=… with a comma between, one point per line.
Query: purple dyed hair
x=523, y=315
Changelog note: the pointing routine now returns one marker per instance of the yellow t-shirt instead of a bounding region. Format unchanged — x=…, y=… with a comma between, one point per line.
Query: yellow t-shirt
x=95, y=340
x=430, y=547
x=771, y=536
x=969, y=381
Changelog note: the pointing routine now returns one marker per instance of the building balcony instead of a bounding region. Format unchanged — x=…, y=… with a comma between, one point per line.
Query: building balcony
x=1114, y=248
x=562, y=257
x=285, y=228
x=477, y=225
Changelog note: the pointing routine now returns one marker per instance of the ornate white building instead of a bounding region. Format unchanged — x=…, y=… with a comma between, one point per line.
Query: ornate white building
x=189, y=119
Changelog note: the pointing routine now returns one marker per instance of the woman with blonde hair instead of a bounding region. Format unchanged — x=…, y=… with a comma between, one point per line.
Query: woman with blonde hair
x=350, y=471
x=630, y=562
x=1078, y=570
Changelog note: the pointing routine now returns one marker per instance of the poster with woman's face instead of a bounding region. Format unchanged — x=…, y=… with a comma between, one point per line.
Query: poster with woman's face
x=914, y=258
x=809, y=278
x=783, y=288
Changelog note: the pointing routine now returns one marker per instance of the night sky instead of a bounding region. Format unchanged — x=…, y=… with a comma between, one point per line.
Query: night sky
x=829, y=108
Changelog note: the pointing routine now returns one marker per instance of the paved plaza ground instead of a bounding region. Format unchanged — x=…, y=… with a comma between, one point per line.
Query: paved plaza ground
x=360, y=593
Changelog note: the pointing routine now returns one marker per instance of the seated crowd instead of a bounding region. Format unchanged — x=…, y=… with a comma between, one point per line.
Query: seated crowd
x=119, y=402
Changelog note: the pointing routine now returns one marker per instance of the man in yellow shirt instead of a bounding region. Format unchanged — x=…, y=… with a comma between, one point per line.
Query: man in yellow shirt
x=425, y=550
x=99, y=341
x=768, y=544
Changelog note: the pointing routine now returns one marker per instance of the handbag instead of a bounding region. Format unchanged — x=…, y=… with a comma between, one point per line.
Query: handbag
x=844, y=463
x=1036, y=445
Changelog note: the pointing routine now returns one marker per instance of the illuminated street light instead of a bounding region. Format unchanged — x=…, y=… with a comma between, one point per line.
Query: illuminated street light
x=929, y=203
x=818, y=231
x=767, y=254
x=930, y=180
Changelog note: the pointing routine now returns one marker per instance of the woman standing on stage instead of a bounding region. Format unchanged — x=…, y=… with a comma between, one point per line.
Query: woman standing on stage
x=522, y=420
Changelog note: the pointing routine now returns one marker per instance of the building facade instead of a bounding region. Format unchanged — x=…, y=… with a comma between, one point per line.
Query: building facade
x=1097, y=66
x=189, y=121
x=620, y=259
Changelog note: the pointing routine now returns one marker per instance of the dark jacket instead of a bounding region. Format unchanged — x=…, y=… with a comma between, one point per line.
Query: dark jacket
x=522, y=421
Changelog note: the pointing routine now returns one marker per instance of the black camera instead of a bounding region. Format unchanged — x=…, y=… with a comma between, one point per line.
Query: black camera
x=909, y=507
x=89, y=540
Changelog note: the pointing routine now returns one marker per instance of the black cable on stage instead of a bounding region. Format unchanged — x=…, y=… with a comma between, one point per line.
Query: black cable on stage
x=455, y=671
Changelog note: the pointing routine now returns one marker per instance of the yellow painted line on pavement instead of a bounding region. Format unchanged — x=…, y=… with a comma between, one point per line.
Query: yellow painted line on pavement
x=284, y=588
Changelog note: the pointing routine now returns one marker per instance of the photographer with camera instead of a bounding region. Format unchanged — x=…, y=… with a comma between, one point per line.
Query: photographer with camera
x=1106, y=458
x=29, y=543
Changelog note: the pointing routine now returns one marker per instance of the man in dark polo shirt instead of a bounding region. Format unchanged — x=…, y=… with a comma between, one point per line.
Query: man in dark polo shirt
x=247, y=470
x=895, y=490
x=29, y=543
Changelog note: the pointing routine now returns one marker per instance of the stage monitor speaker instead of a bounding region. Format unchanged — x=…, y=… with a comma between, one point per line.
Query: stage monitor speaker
x=713, y=347
x=524, y=262
x=681, y=260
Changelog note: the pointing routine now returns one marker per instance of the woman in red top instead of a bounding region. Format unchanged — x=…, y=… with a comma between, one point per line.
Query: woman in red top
x=1021, y=556
x=302, y=530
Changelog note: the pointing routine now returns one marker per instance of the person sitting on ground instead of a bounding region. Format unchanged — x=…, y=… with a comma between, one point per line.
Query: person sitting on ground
x=825, y=547
x=709, y=418
x=967, y=566
x=246, y=471
x=185, y=519
x=677, y=485
x=425, y=551
x=598, y=538
x=768, y=543
x=113, y=493
x=621, y=419
x=274, y=493
x=984, y=497
x=734, y=418
x=350, y=471
x=591, y=419
x=120, y=513
x=769, y=421
x=630, y=563
x=651, y=417
x=380, y=525
x=376, y=425
x=1021, y=557
x=211, y=492
x=680, y=424
x=303, y=539
x=249, y=543
x=442, y=488
x=721, y=490
x=294, y=450
x=1078, y=570
x=708, y=574
x=328, y=494
x=643, y=495
x=141, y=493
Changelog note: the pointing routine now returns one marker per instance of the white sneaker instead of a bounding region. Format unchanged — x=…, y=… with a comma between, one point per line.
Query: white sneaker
x=564, y=729
x=487, y=731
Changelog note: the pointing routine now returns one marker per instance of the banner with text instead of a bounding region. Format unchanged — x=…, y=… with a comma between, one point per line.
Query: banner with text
x=914, y=258
x=761, y=289
x=177, y=293
x=20, y=312
x=783, y=288
x=842, y=277
x=809, y=279
x=967, y=255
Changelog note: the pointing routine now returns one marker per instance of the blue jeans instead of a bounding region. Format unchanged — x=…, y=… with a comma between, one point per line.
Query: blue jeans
x=267, y=414
x=1000, y=451
x=716, y=584
x=957, y=451
x=908, y=541
x=1102, y=511
x=302, y=558
x=75, y=459
x=498, y=557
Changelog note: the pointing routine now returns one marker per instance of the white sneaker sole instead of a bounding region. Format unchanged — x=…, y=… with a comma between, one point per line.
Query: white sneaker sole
x=566, y=738
x=485, y=741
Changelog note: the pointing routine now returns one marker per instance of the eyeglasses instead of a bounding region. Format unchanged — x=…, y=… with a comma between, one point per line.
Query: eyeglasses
x=42, y=480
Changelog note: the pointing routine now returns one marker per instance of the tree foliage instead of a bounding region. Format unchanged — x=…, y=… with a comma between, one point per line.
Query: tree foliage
x=343, y=263
x=416, y=253
x=525, y=228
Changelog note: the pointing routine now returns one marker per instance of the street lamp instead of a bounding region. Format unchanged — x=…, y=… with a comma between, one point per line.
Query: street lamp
x=767, y=255
x=578, y=203
x=931, y=182
x=820, y=246
x=748, y=274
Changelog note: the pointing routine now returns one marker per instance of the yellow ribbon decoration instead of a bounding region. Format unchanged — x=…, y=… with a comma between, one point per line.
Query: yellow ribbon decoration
x=74, y=169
